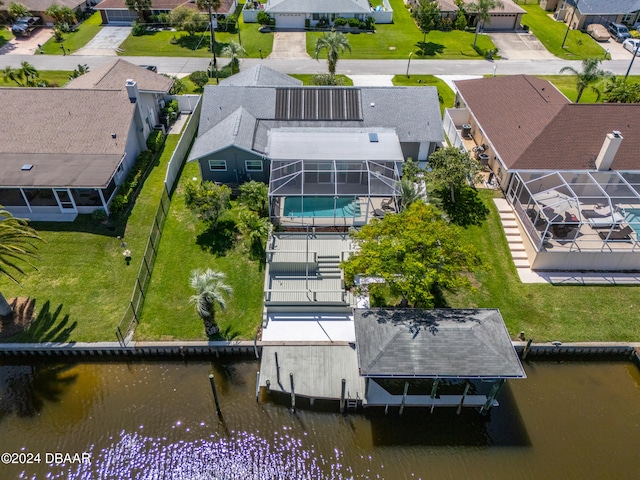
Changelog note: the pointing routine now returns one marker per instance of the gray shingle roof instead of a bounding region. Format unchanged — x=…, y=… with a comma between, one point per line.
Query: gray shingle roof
x=607, y=7
x=441, y=343
x=318, y=6
x=42, y=5
x=260, y=75
x=413, y=112
x=236, y=129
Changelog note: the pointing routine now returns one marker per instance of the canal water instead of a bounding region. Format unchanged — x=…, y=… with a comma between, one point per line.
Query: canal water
x=158, y=421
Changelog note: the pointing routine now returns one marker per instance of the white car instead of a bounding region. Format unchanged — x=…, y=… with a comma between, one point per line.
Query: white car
x=631, y=44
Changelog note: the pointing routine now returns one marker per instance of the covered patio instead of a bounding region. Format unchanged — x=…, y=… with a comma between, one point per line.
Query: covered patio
x=333, y=178
x=579, y=211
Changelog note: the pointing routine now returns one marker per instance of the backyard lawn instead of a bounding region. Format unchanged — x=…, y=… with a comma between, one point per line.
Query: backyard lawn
x=567, y=85
x=82, y=273
x=551, y=33
x=181, y=44
x=76, y=40
x=545, y=312
x=398, y=39
x=185, y=246
x=54, y=77
x=447, y=96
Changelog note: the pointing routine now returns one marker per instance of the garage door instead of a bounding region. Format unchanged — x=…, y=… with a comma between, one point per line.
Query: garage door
x=502, y=22
x=289, y=20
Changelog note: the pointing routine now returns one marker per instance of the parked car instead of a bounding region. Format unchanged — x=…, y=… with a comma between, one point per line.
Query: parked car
x=23, y=26
x=619, y=32
x=598, y=32
x=152, y=68
x=631, y=44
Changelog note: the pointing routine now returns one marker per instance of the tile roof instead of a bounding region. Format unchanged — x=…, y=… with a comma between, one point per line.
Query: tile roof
x=316, y=6
x=113, y=76
x=65, y=133
x=533, y=126
x=260, y=75
x=226, y=6
x=42, y=5
x=470, y=343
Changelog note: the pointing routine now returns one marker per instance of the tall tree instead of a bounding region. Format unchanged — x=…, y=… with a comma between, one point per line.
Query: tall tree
x=187, y=19
x=335, y=43
x=29, y=73
x=211, y=292
x=17, y=10
x=452, y=168
x=17, y=248
x=589, y=77
x=211, y=5
x=141, y=7
x=427, y=16
x=234, y=50
x=416, y=252
x=482, y=9
x=208, y=200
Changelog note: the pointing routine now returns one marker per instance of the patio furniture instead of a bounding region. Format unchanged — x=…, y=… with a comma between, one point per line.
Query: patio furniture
x=599, y=221
x=387, y=204
x=622, y=235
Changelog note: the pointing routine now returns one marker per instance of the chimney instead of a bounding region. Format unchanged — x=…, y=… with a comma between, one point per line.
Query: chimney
x=608, y=151
x=132, y=90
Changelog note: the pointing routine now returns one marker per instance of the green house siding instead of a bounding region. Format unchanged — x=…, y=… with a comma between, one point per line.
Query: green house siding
x=234, y=165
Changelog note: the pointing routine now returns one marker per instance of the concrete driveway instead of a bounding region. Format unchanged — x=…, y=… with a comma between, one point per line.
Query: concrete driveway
x=27, y=45
x=288, y=45
x=520, y=46
x=106, y=41
x=616, y=50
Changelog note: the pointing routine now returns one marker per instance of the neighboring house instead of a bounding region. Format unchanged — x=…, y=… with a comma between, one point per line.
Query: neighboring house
x=115, y=12
x=325, y=151
x=64, y=151
x=293, y=13
x=571, y=171
x=508, y=18
x=39, y=7
x=581, y=14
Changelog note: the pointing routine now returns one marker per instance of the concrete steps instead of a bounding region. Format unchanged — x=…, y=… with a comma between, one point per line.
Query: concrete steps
x=512, y=232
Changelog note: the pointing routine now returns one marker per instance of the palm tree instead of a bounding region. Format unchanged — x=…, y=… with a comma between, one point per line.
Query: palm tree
x=12, y=74
x=254, y=229
x=17, y=246
x=590, y=75
x=334, y=43
x=234, y=50
x=210, y=291
x=211, y=5
x=482, y=9
x=29, y=73
x=409, y=193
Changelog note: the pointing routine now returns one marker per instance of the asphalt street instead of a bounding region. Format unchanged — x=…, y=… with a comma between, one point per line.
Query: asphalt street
x=181, y=65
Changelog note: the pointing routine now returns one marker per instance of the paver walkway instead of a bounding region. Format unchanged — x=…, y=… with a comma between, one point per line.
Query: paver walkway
x=288, y=45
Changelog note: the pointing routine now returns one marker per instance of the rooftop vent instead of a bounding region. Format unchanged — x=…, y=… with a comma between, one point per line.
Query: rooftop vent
x=113, y=135
x=26, y=167
x=373, y=137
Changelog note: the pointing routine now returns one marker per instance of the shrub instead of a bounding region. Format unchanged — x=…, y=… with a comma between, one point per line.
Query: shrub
x=354, y=22
x=340, y=22
x=227, y=24
x=138, y=29
x=99, y=215
x=208, y=200
x=323, y=22
x=307, y=23
x=127, y=189
x=370, y=23
x=263, y=18
x=199, y=78
x=325, y=79
x=155, y=140
x=461, y=21
x=445, y=24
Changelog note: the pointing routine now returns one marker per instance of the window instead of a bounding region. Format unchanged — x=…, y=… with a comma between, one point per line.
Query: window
x=218, y=165
x=253, y=165
x=315, y=16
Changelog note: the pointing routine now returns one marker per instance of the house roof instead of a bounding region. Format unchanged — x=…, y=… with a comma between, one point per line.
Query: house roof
x=113, y=76
x=413, y=112
x=531, y=125
x=444, y=343
x=607, y=7
x=226, y=6
x=334, y=144
x=508, y=6
x=42, y=5
x=260, y=75
x=315, y=6
x=66, y=134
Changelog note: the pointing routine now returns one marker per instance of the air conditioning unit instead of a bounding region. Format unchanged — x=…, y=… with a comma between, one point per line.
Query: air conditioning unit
x=161, y=103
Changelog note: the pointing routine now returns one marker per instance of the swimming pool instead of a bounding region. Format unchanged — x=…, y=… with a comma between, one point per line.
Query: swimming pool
x=632, y=215
x=321, y=207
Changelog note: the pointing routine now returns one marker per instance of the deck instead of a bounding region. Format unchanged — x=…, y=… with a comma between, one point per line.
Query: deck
x=318, y=370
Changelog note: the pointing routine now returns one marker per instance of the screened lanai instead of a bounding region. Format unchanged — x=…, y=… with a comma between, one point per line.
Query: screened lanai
x=333, y=178
x=578, y=211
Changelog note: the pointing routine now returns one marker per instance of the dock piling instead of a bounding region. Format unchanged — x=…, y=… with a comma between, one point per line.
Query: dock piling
x=525, y=352
x=464, y=394
x=404, y=396
x=342, y=398
x=277, y=367
x=293, y=394
x=257, y=385
x=215, y=393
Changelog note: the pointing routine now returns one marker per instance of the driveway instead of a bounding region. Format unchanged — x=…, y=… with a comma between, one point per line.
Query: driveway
x=27, y=45
x=288, y=45
x=616, y=50
x=520, y=46
x=106, y=42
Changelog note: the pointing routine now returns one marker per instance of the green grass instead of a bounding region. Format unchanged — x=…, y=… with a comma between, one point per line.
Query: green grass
x=159, y=43
x=545, y=312
x=446, y=94
x=81, y=269
x=5, y=36
x=398, y=39
x=551, y=33
x=306, y=78
x=76, y=40
x=54, y=77
x=167, y=314
x=567, y=85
